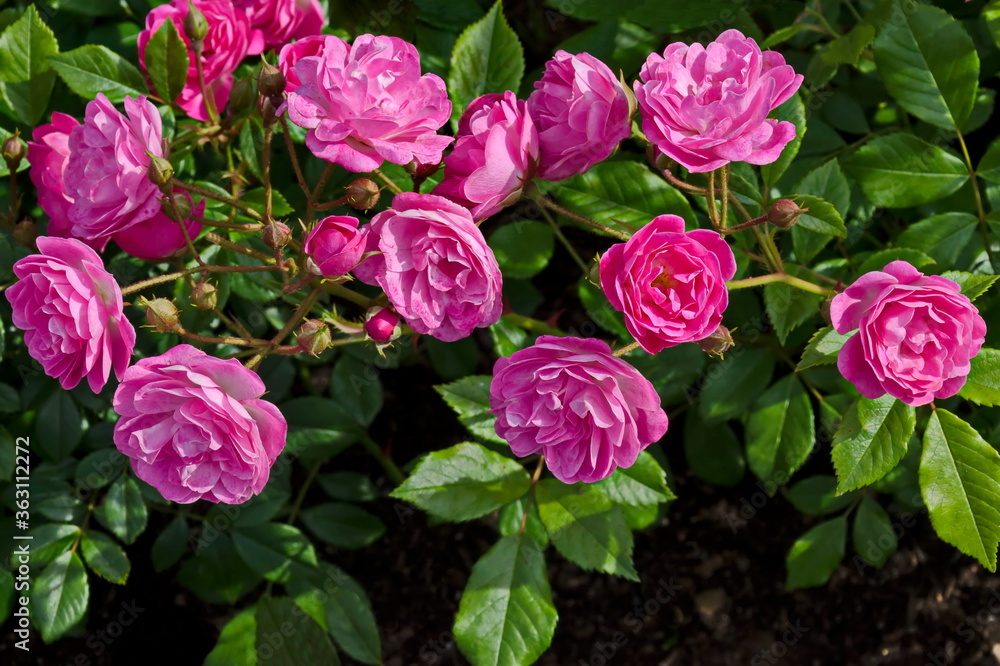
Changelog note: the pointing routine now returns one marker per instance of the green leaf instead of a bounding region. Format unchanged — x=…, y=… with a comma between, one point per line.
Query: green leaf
x=523, y=248
x=93, y=69
x=788, y=307
x=879, y=260
x=26, y=76
x=622, y=191
x=470, y=398
x=167, y=62
x=100, y=468
x=506, y=616
x=816, y=555
x=729, y=391
x=960, y=484
x=828, y=182
x=275, y=551
x=821, y=217
x=824, y=347
x=105, y=557
x=217, y=573
x=309, y=644
x=871, y=439
x=972, y=286
x=644, y=483
x=123, y=511
x=929, y=65
x=508, y=338
x=780, y=431
x=6, y=594
x=318, y=427
x=942, y=237
x=237, y=642
x=343, y=525
x=873, y=538
x=512, y=515
x=901, y=170
x=816, y=496
x=488, y=58
x=793, y=111
x=713, y=452
x=983, y=383
x=48, y=542
x=989, y=165
x=597, y=307
x=59, y=597
x=170, y=544
x=847, y=49
x=356, y=386
x=252, y=146
x=57, y=427
x=348, y=486
x=464, y=482
x=586, y=527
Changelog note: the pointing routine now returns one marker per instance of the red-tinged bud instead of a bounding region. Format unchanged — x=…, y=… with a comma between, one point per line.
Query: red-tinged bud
x=161, y=314
x=13, y=151
x=382, y=325
x=276, y=235
x=784, y=213
x=363, y=194
x=181, y=202
x=313, y=337
x=205, y=296
x=270, y=81
x=718, y=343
x=25, y=232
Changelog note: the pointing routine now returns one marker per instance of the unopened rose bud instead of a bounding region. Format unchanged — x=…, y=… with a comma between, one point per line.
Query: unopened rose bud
x=276, y=235
x=13, y=151
x=824, y=311
x=784, y=213
x=181, y=202
x=313, y=337
x=25, y=232
x=161, y=314
x=594, y=274
x=363, y=194
x=195, y=26
x=205, y=296
x=718, y=343
x=270, y=81
x=242, y=97
x=382, y=325
x=161, y=172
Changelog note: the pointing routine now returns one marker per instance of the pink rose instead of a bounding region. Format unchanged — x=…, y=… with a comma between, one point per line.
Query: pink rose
x=382, y=325
x=335, y=245
x=574, y=402
x=195, y=428
x=315, y=46
x=367, y=103
x=917, y=334
x=581, y=113
x=707, y=107
x=70, y=310
x=494, y=157
x=434, y=265
x=670, y=284
x=230, y=39
x=281, y=21
x=106, y=175
x=159, y=236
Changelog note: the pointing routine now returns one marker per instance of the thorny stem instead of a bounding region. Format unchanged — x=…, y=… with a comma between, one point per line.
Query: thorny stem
x=785, y=278
x=206, y=95
x=294, y=156
x=389, y=182
x=626, y=349
x=209, y=268
x=981, y=210
x=293, y=513
x=176, y=217
x=745, y=225
x=345, y=293
x=710, y=200
x=215, y=196
x=680, y=184
x=293, y=321
x=553, y=206
x=534, y=482
x=265, y=169
x=565, y=241
x=216, y=239
x=724, y=215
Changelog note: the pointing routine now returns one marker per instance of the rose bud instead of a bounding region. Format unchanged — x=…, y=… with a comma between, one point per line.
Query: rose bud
x=161, y=314
x=13, y=151
x=313, y=337
x=335, y=246
x=382, y=325
x=717, y=343
x=276, y=235
x=195, y=26
x=25, y=232
x=205, y=296
x=270, y=81
x=161, y=171
x=363, y=194
x=784, y=213
x=242, y=97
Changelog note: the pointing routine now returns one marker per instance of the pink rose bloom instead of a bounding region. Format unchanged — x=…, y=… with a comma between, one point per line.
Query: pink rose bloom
x=47, y=155
x=315, y=46
x=70, y=310
x=916, y=334
x=159, y=236
x=335, y=245
x=707, y=106
x=195, y=428
x=106, y=175
x=495, y=155
x=230, y=39
x=367, y=103
x=434, y=265
x=281, y=21
x=581, y=113
x=670, y=284
x=573, y=401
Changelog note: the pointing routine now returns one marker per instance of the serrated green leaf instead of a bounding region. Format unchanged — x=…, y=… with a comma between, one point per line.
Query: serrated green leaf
x=348, y=614
x=464, y=482
x=508, y=338
x=170, y=544
x=252, y=145
x=816, y=555
x=217, y=573
x=523, y=249
x=960, y=484
x=901, y=170
x=311, y=645
x=275, y=551
x=644, y=483
x=780, y=431
x=57, y=427
x=989, y=165
x=470, y=398
x=48, y=542
x=873, y=538
x=105, y=557
x=824, y=347
x=982, y=386
x=167, y=62
x=343, y=525
x=59, y=597
x=356, y=386
x=793, y=111
x=847, y=49
x=512, y=516
x=879, y=260
x=972, y=285
x=827, y=182
x=348, y=486
x=26, y=78
x=728, y=392
x=123, y=511
x=318, y=427
x=713, y=452
x=871, y=439
x=597, y=307
x=488, y=58
x=586, y=527
x=237, y=642
x=93, y=69
x=942, y=237
x=816, y=496
x=821, y=216
x=929, y=64
x=506, y=616
x=788, y=307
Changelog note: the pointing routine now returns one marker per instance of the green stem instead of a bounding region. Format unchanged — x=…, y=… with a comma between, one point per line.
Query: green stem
x=215, y=196
x=206, y=95
x=710, y=200
x=391, y=469
x=724, y=215
x=681, y=185
x=980, y=208
x=785, y=278
x=293, y=321
x=553, y=206
x=389, y=182
x=531, y=325
x=221, y=241
x=265, y=169
x=290, y=143
x=345, y=293
x=300, y=498
x=626, y=349
x=565, y=241
x=209, y=268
